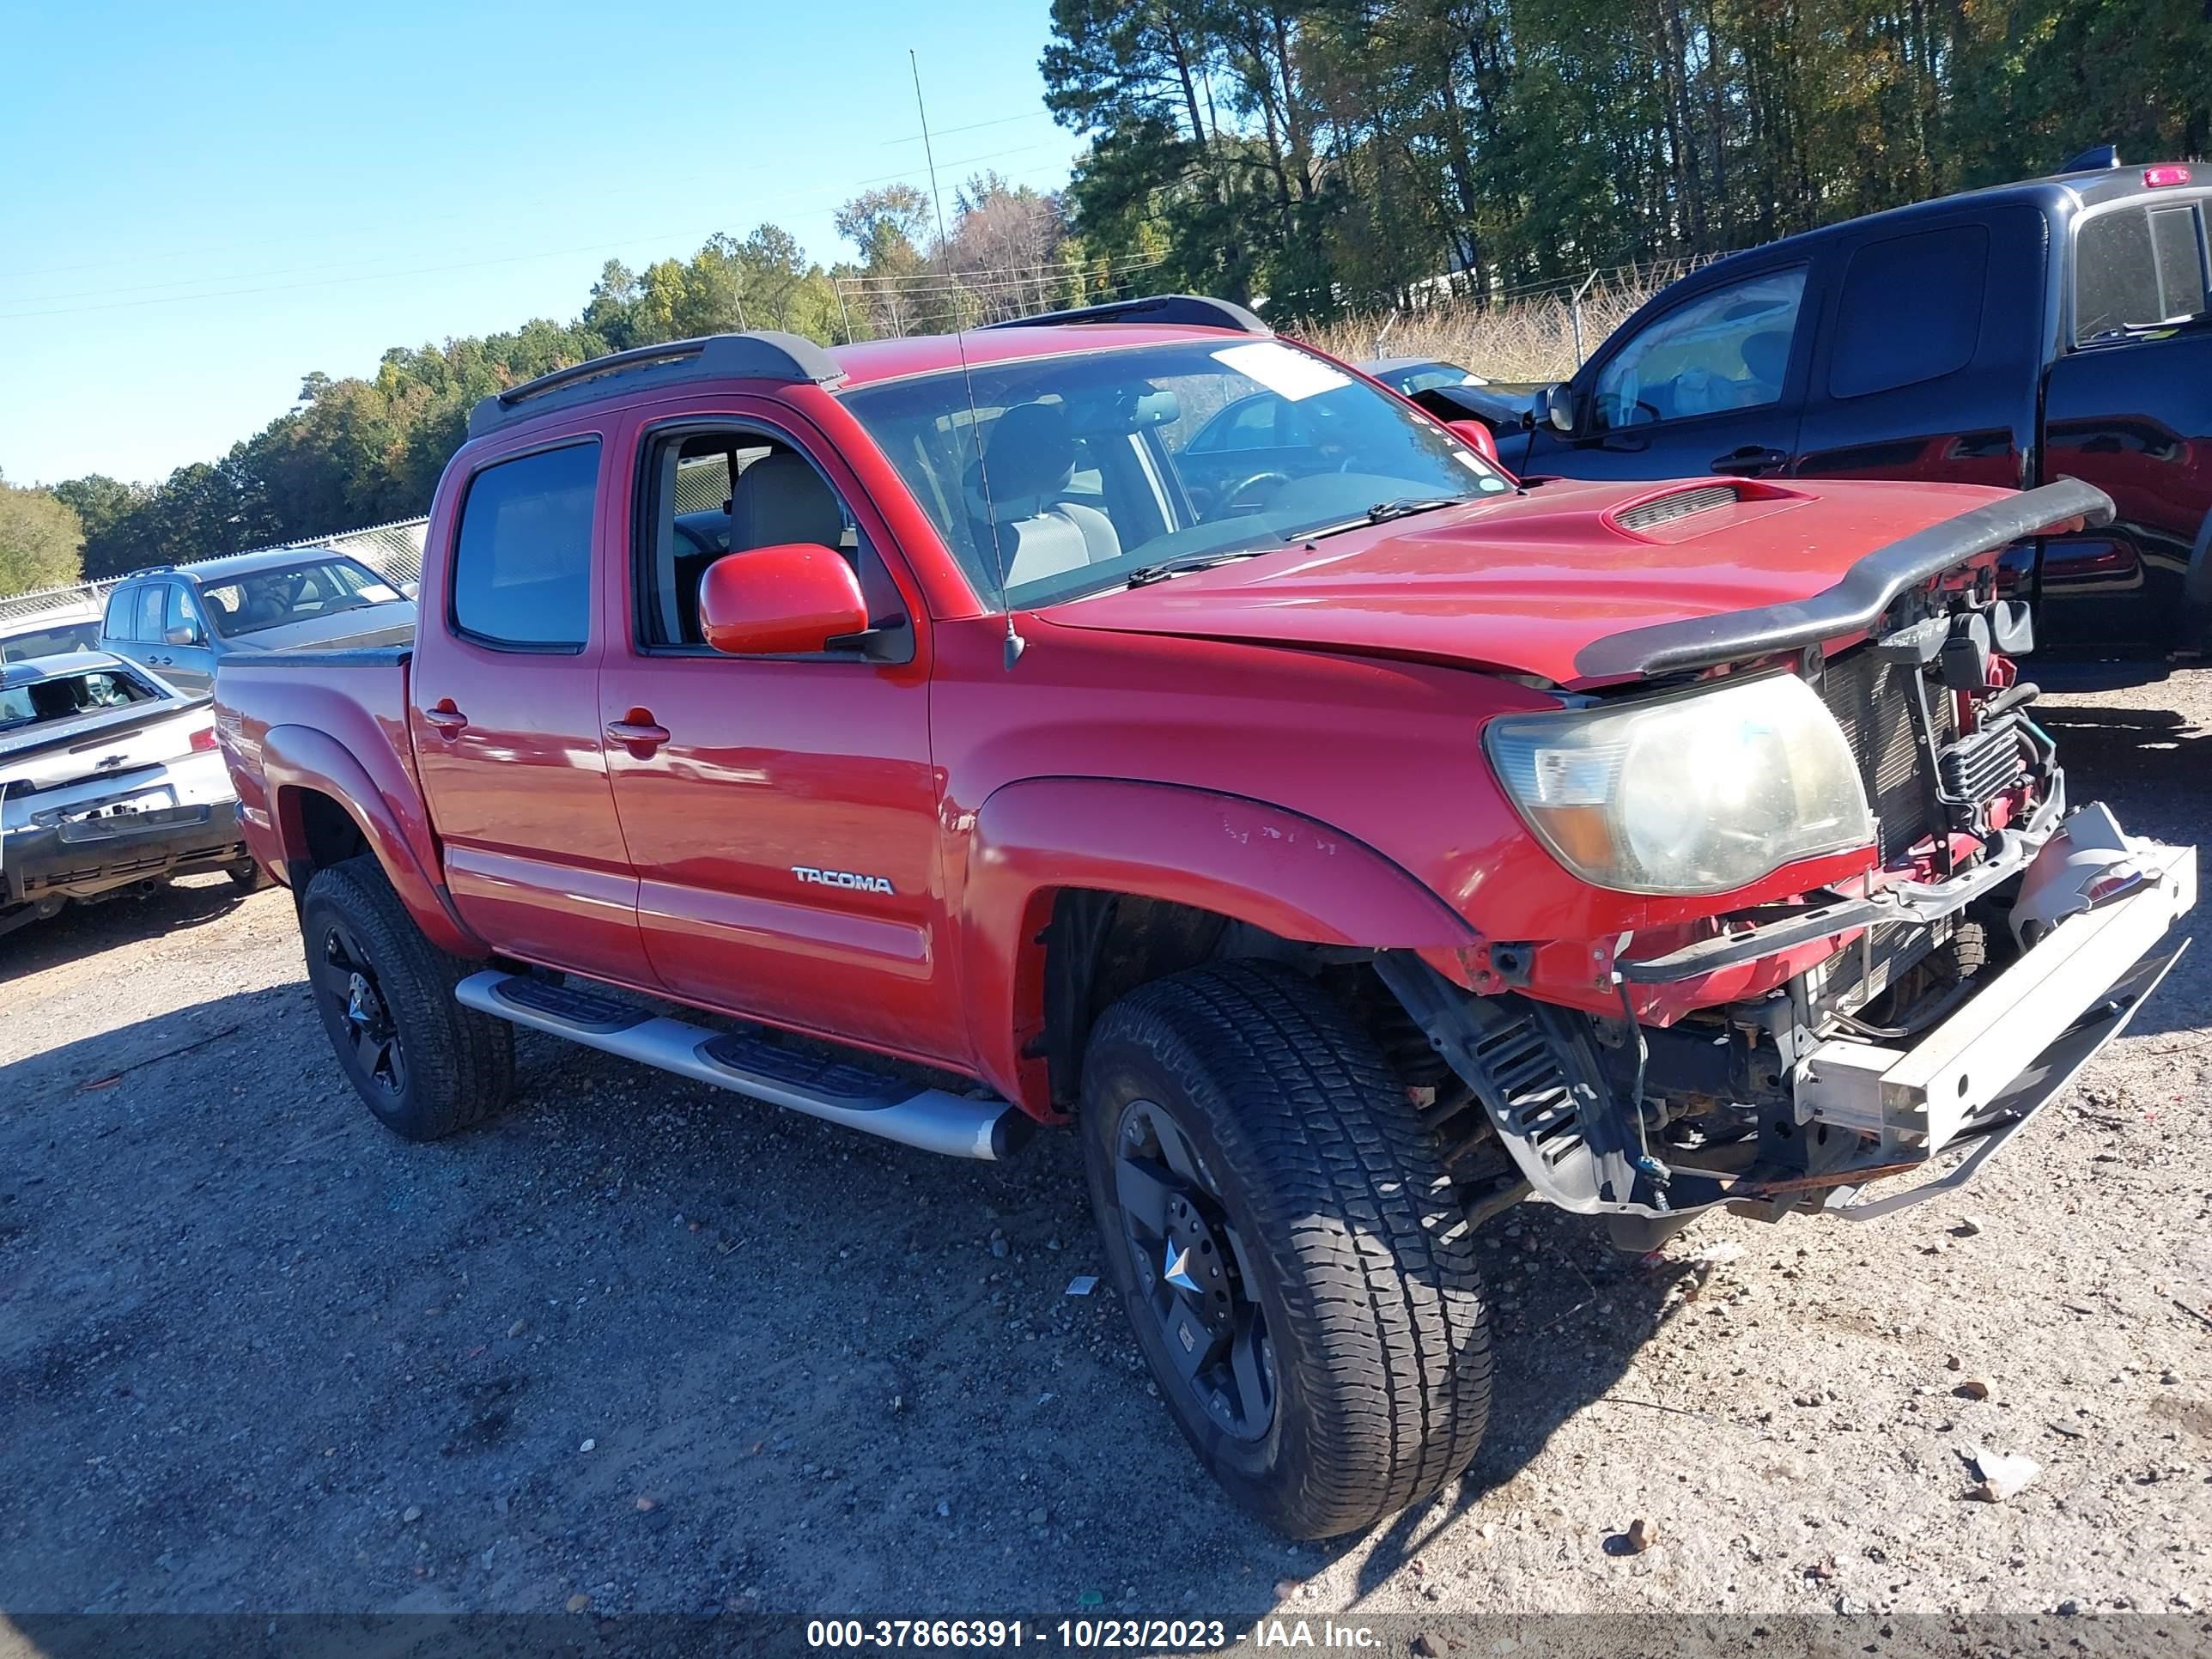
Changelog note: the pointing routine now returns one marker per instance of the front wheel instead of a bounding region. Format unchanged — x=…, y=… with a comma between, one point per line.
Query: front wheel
x=424, y=1063
x=1279, y=1226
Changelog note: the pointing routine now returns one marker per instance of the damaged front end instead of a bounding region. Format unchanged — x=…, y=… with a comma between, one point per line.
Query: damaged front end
x=1782, y=1057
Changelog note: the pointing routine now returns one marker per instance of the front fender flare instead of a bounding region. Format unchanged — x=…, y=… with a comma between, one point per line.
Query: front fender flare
x=296, y=759
x=1265, y=865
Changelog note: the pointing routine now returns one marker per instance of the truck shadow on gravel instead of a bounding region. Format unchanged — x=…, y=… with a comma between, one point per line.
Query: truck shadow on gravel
x=635, y=1341
x=2153, y=766
x=1569, y=1316
x=85, y=930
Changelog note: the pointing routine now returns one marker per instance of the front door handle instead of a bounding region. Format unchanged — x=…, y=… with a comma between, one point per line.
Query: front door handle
x=445, y=719
x=1751, y=459
x=637, y=733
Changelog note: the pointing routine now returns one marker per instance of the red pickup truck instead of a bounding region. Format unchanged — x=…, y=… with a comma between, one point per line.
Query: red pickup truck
x=1134, y=720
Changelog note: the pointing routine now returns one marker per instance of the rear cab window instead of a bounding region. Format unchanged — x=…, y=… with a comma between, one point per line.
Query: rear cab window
x=122, y=621
x=2137, y=265
x=522, y=560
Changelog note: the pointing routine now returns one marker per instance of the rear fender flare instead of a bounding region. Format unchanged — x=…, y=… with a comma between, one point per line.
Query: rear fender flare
x=1265, y=865
x=298, y=759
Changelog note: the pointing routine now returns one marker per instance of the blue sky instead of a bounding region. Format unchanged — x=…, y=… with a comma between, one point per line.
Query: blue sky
x=201, y=205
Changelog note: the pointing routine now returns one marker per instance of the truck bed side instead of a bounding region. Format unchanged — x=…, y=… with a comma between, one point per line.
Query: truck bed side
x=321, y=754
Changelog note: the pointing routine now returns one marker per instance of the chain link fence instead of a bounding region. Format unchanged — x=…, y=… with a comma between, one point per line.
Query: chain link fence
x=393, y=550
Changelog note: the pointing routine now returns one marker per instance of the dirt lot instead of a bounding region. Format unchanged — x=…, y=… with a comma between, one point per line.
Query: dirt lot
x=646, y=1344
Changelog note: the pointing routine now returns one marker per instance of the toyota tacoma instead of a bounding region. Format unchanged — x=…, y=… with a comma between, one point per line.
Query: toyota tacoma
x=1344, y=842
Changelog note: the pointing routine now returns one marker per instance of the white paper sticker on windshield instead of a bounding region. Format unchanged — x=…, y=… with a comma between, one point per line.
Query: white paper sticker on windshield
x=1289, y=374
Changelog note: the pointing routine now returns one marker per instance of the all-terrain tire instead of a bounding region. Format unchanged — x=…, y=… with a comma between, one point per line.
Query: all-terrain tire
x=456, y=1065
x=1356, y=1251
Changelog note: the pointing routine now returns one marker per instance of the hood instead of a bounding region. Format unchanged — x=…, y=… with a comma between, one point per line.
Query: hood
x=1521, y=584
x=368, y=624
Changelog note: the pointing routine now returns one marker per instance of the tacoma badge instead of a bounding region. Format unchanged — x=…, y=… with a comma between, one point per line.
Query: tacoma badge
x=808, y=874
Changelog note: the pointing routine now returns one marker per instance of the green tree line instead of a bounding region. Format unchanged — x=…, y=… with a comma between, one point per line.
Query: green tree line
x=1334, y=153
x=361, y=450
x=1315, y=157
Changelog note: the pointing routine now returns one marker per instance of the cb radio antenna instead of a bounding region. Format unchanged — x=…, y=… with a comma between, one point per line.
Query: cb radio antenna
x=1015, y=643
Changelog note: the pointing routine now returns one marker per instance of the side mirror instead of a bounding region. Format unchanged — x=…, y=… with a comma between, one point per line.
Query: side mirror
x=182, y=633
x=1478, y=437
x=1555, y=406
x=789, y=600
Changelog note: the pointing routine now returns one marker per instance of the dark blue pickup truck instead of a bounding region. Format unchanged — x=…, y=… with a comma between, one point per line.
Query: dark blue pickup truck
x=2013, y=336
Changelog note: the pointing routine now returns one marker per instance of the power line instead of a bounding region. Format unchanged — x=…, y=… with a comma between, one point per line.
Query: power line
x=139, y=259
x=368, y=277
x=973, y=126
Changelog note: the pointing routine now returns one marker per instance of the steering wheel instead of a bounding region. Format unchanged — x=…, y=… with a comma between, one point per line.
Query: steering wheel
x=1232, y=502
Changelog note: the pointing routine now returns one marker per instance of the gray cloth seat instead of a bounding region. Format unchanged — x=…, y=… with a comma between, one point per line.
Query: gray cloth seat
x=781, y=498
x=1028, y=461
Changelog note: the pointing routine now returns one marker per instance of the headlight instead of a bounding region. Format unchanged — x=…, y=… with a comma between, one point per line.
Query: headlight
x=1698, y=793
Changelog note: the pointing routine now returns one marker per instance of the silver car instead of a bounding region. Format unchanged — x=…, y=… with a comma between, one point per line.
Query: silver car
x=109, y=780
x=181, y=621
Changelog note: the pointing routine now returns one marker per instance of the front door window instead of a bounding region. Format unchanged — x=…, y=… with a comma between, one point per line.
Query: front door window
x=1728, y=349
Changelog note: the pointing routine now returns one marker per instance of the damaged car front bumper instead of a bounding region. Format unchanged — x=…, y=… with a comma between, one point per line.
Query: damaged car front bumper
x=2097, y=906
x=1830, y=1105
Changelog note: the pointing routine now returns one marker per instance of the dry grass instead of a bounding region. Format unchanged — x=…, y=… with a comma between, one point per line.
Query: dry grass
x=1523, y=339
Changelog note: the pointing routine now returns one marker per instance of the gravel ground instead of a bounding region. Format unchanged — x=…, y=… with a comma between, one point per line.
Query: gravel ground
x=644, y=1343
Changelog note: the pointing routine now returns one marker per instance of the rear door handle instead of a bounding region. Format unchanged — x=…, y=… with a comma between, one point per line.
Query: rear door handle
x=638, y=732
x=1751, y=459
x=445, y=719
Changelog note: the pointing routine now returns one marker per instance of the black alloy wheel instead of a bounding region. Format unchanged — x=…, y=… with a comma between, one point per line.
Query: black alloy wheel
x=1195, y=1274
x=1279, y=1227
x=425, y=1064
x=345, y=982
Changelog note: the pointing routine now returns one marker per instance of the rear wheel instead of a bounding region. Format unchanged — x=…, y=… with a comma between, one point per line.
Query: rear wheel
x=1281, y=1232
x=247, y=876
x=425, y=1064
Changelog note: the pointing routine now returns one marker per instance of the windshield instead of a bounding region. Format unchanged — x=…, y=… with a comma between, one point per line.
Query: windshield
x=295, y=592
x=49, y=642
x=1097, y=465
x=67, y=696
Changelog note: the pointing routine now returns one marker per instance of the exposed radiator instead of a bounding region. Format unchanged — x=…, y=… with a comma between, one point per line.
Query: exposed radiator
x=1871, y=700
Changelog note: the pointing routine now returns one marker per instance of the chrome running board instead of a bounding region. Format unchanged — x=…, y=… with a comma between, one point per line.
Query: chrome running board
x=748, y=1063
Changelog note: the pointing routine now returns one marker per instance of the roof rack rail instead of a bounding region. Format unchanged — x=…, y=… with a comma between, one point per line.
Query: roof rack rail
x=1180, y=310
x=763, y=355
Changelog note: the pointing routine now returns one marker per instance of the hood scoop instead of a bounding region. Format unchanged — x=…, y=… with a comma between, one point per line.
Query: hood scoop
x=1676, y=504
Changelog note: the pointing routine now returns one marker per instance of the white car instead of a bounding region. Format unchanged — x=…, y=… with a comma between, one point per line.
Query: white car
x=50, y=631
x=109, y=780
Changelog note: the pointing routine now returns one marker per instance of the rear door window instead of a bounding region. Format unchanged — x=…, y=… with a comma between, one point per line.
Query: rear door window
x=522, y=563
x=152, y=599
x=1911, y=311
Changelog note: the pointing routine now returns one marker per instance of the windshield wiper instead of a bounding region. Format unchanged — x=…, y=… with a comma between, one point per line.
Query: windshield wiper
x=1145, y=574
x=1401, y=506
x=2137, y=331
